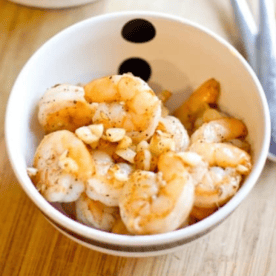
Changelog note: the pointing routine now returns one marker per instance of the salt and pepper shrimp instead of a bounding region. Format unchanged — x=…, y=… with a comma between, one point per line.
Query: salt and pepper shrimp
x=96, y=214
x=217, y=186
x=120, y=228
x=208, y=115
x=219, y=130
x=224, y=155
x=212, y=114
x=170, y=135
x=186, y=223
x=239, y=143
x=145, y=160
x=63, y=165
x=107, y=147
x=64, y=107
x=202, y=213
x=207, y=93
x=130, y=168
x=164, y=96
x=109, y=178
x=173, y=126
x=125, y=102
x=159, y=202
x=218, y=177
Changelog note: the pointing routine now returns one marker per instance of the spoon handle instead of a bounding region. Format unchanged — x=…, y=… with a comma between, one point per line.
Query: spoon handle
x=247, y=28
x=266, y=45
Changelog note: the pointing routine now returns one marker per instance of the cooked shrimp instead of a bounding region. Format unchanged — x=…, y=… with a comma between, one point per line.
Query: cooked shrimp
x=173, y=126
x=218, y=177
x=212, y=114
x=161, y=142
x=145, y=160
x=157, y=202
x=64, y=107
x=219, y=131
x=188, y=221
x=164, y=97
x=207, y=93
x=107, y=147
x=96, y=214
x=63, y=166
x=202, y=213
x=217, y=186
x=125, y=102
x=224, y=155
x=109, y=179
x=208, y=115
x=242, y=144
x=120, y=228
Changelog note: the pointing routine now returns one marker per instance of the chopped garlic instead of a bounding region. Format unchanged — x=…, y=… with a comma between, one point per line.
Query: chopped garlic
x=125, y=143
x=115, y=134
x=143, y=160
x=97, y=129
x=118, y=173
x=242, y=169
x=190, y=158
x=90, y=134
x=142, y=146
x=66, y=163
x=127, y=154
x=32, y=172
x=161, y=142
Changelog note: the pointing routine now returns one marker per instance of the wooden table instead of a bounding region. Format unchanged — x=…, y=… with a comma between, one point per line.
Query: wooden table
x=245, y=244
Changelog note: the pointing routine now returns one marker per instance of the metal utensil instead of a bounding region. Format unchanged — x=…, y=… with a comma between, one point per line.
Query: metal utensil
x=260, y=47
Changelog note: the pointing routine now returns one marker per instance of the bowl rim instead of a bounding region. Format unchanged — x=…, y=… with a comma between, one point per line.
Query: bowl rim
x=140, y=240
x=58, y=4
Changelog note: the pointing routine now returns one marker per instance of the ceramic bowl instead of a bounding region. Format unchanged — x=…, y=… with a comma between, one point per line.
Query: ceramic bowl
x=52, y=4
x=174, y=54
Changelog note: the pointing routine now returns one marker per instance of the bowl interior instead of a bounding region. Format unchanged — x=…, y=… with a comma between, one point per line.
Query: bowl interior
x=180, y=56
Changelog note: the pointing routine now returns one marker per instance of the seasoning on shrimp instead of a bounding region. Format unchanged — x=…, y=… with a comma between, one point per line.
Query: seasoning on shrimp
x=96, y=214
x=218, y=177
x=108, y=180
x=125, y=102
x=64, y=107
x=120, y=228
x=224, y=155
x=127, y=166
x=202, y=213
x=207, y=93
x=173, y=126
x=159, y=202
x=63, y=165
x=220, y=130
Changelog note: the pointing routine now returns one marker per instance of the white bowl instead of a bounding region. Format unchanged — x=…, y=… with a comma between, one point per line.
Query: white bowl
x=52, y=4
x=181, y=55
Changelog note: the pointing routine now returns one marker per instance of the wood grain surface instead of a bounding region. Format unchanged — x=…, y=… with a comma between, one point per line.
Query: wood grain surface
x=244, y=244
